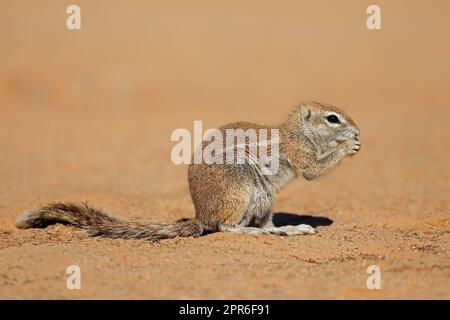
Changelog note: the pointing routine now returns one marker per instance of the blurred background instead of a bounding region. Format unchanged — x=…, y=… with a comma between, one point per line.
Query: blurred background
x=87, y=114
x=139, y=69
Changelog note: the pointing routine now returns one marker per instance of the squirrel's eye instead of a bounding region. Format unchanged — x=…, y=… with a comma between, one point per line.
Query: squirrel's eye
x=333, y=119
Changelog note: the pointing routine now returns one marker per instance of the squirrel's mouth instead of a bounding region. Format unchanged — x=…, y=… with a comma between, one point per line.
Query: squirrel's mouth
x=341, y=139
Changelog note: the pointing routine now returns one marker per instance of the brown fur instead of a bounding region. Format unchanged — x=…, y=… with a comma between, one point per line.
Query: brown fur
x=230, y=197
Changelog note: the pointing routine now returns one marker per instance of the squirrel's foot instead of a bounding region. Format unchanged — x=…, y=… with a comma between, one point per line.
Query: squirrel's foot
x=300, y=229
x=245, y=230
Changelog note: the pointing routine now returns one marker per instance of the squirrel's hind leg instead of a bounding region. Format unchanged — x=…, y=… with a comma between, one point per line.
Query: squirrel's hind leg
x=298, y=230
x=252, y=230
x=290, y=230
x=301, y=229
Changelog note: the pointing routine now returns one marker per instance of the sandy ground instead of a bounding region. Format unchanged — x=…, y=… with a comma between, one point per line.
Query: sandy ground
x=87, y=116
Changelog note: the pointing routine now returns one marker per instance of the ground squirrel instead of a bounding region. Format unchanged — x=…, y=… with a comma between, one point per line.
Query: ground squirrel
x=313, y=139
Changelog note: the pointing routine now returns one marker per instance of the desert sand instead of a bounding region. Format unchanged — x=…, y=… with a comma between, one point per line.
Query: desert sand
x=86, y=115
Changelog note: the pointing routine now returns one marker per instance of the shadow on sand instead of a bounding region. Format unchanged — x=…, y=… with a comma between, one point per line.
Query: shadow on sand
x=284, y=219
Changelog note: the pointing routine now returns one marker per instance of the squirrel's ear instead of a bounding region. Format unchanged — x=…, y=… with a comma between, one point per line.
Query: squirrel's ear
x=305, y=113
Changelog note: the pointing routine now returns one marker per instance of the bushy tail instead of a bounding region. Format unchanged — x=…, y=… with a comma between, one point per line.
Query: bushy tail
x=99, y=224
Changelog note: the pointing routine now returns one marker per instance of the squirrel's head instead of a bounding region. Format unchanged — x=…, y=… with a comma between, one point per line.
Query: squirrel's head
x=325, y=126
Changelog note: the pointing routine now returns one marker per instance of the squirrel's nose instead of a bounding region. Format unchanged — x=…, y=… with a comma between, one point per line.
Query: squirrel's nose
x=356, y=132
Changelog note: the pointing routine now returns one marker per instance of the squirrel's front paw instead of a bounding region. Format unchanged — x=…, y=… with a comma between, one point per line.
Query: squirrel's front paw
x=352, y=146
